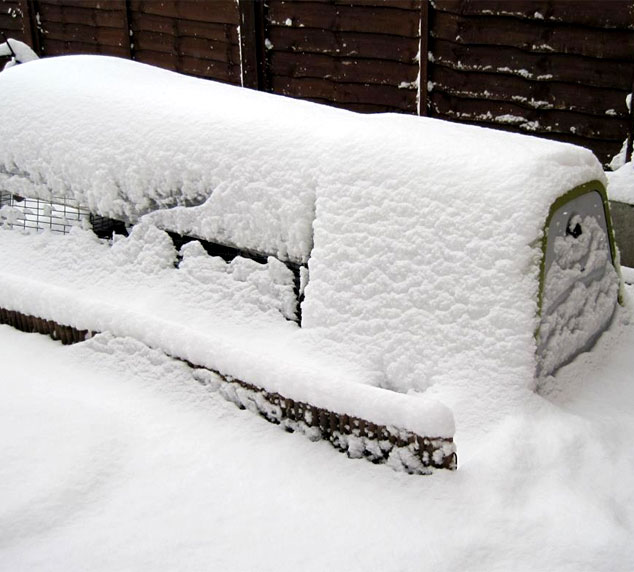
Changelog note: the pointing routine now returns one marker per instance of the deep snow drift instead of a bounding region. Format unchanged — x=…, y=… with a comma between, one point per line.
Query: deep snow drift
x=114, y=458
x=423, y=235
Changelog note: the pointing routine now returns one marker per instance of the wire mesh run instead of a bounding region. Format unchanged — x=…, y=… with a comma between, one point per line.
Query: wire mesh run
x=58, y=215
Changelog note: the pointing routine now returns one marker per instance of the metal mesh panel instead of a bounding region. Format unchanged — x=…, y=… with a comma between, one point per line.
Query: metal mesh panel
x=59, y=215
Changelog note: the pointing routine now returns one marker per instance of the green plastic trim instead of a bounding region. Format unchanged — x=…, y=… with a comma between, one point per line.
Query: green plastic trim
x=588, y=187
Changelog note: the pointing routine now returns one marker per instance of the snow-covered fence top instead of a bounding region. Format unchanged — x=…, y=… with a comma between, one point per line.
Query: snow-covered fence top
x=423, y=236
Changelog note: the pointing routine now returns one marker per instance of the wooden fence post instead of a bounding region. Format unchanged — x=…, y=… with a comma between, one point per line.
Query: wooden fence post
x=128, y=31
x=30, y=27
x=248, y=44
x=630, y=133
x=422, y=57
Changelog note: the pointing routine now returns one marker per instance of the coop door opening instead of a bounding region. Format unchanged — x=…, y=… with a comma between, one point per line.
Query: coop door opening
x=580, y=284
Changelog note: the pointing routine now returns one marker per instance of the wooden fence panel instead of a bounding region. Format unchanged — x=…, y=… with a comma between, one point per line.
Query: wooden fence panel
x=71, y=27
x=545, y=67
x=197, y=38
x=358, y=54
x=12, y=23
x=561, y=70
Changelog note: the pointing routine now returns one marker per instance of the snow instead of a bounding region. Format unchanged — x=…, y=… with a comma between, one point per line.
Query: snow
x=113, y=458
x=443, y=292
x=422, y=237
x=227, y=317
x=621, y=184
x=18, y=51
x=423, y=243
x=137, y=157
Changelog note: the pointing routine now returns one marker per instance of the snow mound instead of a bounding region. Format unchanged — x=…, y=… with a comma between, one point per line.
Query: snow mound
x=621, y=184
x=423, y=237
x=225, y=317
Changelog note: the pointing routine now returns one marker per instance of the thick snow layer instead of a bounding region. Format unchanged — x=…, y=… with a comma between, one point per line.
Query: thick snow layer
x=18, y=51
x=227, y=317
x=621, y=184
x=113, y=459
x=124, y=138
x=425, y=235
x=429, y=260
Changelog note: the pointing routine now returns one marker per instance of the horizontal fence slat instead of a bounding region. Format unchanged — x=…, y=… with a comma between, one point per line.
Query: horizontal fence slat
x=344, y=18
x=82, y=14
x=359, y=107
x=562, y=67
x=345, y=92
x=11, y=26
x=187, y=46
x=531, y=94
x=606, y=14
x=218, y=11
x=91, y=4
x=603, y=149
x=401, y=4
x=86, y=34
x=342, y=69
x=350, y=44
x=207, y=69
x=165, y=25
x=58, y=48
x=535, y=36
x=528, y=120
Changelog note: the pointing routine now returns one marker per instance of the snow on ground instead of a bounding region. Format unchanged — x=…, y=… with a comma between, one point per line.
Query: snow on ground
x=621, y=184
x=114, y=458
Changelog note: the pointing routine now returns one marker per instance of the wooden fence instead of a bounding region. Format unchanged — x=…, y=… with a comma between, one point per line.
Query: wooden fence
x=559, y=69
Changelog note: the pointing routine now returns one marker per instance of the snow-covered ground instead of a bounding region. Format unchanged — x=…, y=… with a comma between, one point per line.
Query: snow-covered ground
x=113, y=458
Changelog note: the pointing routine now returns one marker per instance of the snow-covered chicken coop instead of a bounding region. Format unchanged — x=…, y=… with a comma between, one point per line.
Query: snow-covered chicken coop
x=425, y=254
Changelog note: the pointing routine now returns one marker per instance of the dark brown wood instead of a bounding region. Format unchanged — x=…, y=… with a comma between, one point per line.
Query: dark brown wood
x=403, y=99
x=86, y=34
x=358, y=107
x=13, y=25
x=352, y=44
x=89, y=4
x=529, y=94
x=423, y=63
x=12, y=19
x=532, y=121
x=603, y=149
x=630, y=134
x=401, y=4
x=543, y=67
x=351, y=70
x=248, y=44
x=535, y=36
x=218, y=11
x=344, y=18
x=58, y=48
x=127, y=29
x=84, y=15
x=187, y=46
x=603, y=14
x=171, y=26
x=203, y=68
x=23, y=15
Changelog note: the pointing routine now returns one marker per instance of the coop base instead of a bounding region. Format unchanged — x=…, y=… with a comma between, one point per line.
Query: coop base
x=360, y=439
